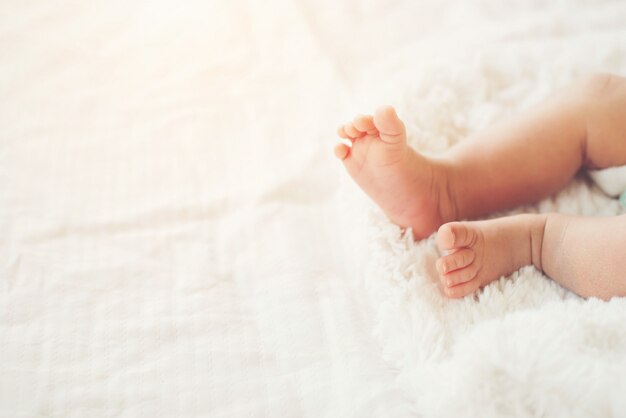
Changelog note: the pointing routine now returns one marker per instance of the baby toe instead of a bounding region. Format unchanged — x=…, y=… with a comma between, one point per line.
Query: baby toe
x=445, y=237
x=342, y=133
x=458, y=259
x=456, y=234
x=352, y=131
x=341, y=151
x=460, y=275
x=462, y=290
x=389, y=125
x=364, y=123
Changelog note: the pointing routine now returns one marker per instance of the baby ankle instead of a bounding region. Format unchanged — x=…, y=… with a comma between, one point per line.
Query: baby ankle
x=537, y=231
x=448, y=210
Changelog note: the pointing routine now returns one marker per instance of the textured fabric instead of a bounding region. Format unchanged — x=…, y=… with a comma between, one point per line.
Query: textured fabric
x=176, y=238
x=612, y=181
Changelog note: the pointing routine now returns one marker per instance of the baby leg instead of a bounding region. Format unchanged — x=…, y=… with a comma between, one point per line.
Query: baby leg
x=583, y=254
x=586, y=255
x=536, y=154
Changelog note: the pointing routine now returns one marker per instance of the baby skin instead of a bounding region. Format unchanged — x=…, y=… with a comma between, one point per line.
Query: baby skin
x=519, y=161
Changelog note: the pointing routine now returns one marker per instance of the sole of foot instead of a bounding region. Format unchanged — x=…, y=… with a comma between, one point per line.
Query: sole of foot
x=410, y=188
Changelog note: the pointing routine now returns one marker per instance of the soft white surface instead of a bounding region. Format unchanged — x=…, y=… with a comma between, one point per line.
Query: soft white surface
x=612, y=180
x=175, y=239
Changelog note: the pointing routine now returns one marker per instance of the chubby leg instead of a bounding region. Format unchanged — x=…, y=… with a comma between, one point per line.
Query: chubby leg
x=519, y=161
x=538, y=152
x=583, y=254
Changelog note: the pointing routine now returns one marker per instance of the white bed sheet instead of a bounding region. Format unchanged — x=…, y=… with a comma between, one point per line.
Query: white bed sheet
x=168, y=239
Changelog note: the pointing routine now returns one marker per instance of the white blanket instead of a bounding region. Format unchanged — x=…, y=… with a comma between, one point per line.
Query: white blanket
x=177, y=240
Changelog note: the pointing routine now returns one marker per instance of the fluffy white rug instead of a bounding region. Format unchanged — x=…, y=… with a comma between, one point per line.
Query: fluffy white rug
x=523, y=346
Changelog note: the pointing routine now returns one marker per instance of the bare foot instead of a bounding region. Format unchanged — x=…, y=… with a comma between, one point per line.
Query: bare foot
x=410, y=188
x=483, y=251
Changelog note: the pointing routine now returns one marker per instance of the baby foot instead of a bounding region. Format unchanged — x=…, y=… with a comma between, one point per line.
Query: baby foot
x=483, y=251
x=410, y=188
